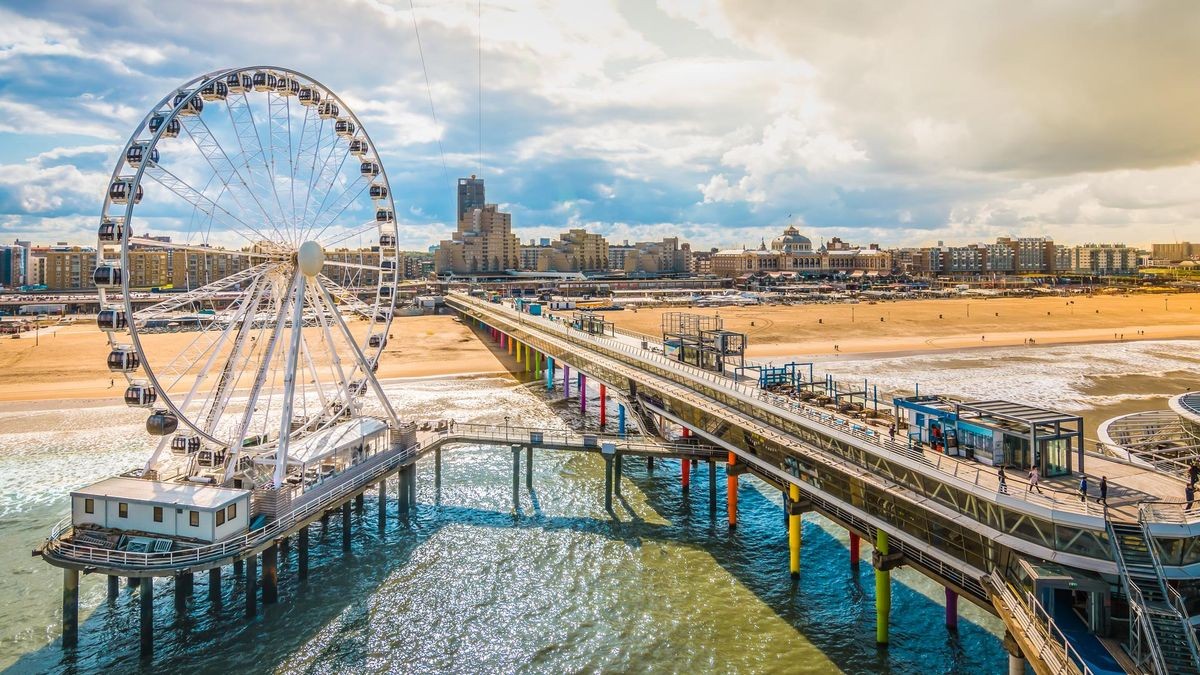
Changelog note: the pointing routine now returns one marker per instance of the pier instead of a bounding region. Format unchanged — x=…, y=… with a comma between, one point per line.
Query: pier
x=1014, y=551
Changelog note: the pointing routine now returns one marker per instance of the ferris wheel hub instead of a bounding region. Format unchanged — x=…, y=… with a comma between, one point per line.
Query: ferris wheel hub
x=310, y=258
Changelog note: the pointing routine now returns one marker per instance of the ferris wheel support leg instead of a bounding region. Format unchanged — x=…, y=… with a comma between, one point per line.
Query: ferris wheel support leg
x=289, y=381
x=362, y=360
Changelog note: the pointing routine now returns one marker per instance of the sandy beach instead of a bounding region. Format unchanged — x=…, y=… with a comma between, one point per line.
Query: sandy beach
x=913, y=326
x=69, y=362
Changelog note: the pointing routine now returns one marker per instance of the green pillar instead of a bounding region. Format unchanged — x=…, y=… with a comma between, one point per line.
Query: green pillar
x=883, y=592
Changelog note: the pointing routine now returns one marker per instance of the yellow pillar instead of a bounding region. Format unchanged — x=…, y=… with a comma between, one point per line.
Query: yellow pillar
x=519, y=346
x=883, y=592
x=794, y=523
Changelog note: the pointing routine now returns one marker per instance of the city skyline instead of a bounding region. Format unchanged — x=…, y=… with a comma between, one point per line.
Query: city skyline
x=692, y=119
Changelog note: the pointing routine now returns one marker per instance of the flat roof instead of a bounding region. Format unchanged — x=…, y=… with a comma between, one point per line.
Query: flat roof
x=1018, y=412
x=194, y=495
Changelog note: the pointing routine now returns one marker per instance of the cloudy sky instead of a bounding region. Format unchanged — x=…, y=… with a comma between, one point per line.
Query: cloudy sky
x=899, y=122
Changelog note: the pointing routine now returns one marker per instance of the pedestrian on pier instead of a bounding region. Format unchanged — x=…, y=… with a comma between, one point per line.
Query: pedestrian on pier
x=1193, y=473
x=1190, y=493
x=1083, y=489
x=1003, y=481
x=1034, y=479
x=1103, y=491
x=892, y=432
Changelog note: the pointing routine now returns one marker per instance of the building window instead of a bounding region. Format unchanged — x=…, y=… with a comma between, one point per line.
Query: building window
x=158, y=514
x=122, y=509
x=231, y=512
x=220, y=517
x=89, y=505
x=194, y=518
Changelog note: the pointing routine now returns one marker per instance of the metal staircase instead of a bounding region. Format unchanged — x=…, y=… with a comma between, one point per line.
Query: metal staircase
x=1161, y=639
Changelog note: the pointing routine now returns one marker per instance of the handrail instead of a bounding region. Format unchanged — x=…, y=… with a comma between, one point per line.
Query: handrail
x=1068, y=501
x=1174, y=600
x=1137, y=602
x=464, y=432
x=1053, y=647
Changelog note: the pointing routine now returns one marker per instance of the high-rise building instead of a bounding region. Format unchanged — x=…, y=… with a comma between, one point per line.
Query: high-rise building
x=470, y=196
x=1104, y=259
x=483, y=243
x=14, y=263
x=575, y=251
x=1177, y=252
x=70, y=267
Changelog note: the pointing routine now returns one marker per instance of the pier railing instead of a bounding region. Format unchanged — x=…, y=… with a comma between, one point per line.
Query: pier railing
x=950, y=468
x=1052, y=647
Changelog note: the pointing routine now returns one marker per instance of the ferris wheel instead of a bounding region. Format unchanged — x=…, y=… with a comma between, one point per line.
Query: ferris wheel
x=282, y=267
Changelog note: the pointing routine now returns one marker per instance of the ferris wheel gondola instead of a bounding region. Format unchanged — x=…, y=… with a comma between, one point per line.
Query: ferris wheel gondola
x=264, y=171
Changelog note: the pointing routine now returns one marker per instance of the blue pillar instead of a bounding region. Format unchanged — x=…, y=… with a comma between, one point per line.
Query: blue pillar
x=549, y=373
x=621, y=419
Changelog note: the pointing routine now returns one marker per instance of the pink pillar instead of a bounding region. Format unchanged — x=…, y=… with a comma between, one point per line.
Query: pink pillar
x=603, y=396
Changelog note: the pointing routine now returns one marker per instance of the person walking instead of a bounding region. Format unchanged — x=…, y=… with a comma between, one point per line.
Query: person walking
x=1193, y=473
x=1083, y=489
x=1034, y=479
x=1103, y=499
x=1003, y=481
x=892, y=432
x=1190, y=493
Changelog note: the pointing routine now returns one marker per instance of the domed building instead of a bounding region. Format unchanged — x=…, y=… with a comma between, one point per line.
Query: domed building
x=791, y=241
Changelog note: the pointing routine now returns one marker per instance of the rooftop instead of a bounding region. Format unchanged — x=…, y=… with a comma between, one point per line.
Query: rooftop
x=194, y=495
x=327, y=441
x=1187, y=405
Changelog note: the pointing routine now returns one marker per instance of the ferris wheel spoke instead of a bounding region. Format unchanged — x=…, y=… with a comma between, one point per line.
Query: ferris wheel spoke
x=369, y=227
x=234, y=363
x=223, y=167
x=155, y=243
x=241, y=117
x=205, y=292
x=337, y=207
x=279, y=132
x=201, y=375
x=323, y=146
x=187, y=193
x=362, y=362
x=325, y=183
x=344, y=382
x=348, y=297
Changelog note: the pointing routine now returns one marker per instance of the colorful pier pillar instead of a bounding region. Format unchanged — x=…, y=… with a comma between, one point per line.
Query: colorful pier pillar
x=582, y=393
x=603, y=407
x=951, y=609
x=566, y=381
x=855, y=542
x=795, y=521
x=549, y=373
x=731, y=489
x=883, y=592
x=685, y=474
x=621, y=419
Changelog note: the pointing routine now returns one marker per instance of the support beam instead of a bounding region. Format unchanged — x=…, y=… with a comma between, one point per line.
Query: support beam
x=146, y=618
x=608, y=482
x=712, y=486
x=358, y=502
x=583, y=393
x=214, y=587
x=603, y=407
x=883, y=592
x=951, y=609
x=437, y=471
x=855, y=543
x=516, y=483
x=731, y=490
x=346, y=526
x=239, y=568
x=650, y=466
x=183, y=589
x=303, y=553
x=402, y=502
x=685, y=474
x=529, y=468
x=621, y=419
x=617, y=474
x=566, y=381
x=549, y=373
x=70, y=607
x=114, y=587
x=381, y=510
x=251, y=586
x=270, y=575
x=795, y=522
x=133, y=582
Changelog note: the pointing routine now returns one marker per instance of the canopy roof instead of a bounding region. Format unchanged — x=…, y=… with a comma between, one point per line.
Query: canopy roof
x=327, y=442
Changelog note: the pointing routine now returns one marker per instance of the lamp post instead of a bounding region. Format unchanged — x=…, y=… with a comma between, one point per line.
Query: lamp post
x=506, y=427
